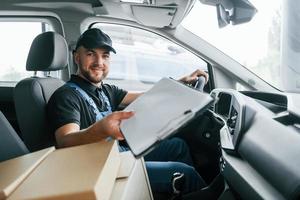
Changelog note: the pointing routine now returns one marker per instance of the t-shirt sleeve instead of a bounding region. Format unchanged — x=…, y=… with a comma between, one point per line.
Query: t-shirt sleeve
x=63, y=108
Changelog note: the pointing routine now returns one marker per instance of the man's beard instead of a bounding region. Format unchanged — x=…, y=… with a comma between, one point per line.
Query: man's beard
x=93, y=79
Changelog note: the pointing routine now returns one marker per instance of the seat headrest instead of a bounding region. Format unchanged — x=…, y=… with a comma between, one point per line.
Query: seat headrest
x=48, y=52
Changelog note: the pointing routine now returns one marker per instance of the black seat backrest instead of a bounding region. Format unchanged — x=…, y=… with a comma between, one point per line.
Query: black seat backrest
x=48, y=52
x=11, y=144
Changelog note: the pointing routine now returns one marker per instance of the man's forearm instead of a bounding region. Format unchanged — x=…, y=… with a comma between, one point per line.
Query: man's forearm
x=84, y=136
x=70, y=135
x=130, y=97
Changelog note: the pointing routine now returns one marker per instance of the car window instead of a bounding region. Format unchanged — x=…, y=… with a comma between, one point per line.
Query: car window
x=144, y=57
x=256, y=44
x=15, y=40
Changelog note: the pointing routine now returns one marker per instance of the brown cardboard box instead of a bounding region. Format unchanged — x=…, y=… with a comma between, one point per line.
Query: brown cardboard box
x=81, y=172
x=14, y=171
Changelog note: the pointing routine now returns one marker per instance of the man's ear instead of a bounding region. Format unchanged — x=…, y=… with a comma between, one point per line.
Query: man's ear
x=75, y=57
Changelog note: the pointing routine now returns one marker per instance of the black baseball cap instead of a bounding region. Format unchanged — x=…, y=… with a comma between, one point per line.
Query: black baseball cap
x=95, y=38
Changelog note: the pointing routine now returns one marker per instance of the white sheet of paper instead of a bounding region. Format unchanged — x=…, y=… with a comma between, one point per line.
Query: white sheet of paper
x=159, y=112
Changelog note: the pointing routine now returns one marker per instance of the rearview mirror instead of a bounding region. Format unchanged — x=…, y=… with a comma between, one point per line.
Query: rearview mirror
x=232, y=11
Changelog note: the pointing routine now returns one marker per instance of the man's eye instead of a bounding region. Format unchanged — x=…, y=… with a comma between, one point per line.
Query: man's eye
x=106, y=56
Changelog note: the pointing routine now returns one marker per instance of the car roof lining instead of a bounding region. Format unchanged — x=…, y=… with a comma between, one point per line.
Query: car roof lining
x=159, y=14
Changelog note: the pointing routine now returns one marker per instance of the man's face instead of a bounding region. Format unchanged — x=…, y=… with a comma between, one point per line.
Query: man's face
x=93, y=64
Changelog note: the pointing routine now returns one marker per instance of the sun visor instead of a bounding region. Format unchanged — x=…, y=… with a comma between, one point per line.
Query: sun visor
x=154, y=16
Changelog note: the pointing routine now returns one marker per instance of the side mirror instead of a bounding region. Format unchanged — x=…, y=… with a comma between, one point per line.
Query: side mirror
x=232, y=11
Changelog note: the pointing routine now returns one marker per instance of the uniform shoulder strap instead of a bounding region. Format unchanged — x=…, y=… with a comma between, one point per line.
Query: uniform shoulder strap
x=89, y=100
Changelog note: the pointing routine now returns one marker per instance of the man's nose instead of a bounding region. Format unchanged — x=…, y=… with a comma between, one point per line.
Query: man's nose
x=99, y=60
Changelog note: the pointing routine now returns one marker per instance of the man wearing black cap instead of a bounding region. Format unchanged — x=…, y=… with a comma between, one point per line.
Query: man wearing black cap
x=84, y=111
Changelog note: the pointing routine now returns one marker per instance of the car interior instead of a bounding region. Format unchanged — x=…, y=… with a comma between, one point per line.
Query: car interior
x=49, y=52
x=245, y=145
x=12, y=145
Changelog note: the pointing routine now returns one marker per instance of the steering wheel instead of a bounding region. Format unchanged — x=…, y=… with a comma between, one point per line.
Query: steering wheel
x=199, y=85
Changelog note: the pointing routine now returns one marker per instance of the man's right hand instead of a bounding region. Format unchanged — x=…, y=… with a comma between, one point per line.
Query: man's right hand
x=110, y=125
x=71, y=135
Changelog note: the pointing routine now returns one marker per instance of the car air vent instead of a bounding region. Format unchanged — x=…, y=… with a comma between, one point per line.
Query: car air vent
x=231, y=121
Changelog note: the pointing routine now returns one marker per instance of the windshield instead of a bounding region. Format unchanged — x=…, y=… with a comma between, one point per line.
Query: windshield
x=256, y=45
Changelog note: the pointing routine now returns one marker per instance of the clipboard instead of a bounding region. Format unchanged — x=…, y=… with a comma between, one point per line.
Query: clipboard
x=160, y=112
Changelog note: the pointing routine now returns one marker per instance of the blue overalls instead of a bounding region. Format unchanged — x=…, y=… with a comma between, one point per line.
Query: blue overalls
x=99, y=115
x=159, y=171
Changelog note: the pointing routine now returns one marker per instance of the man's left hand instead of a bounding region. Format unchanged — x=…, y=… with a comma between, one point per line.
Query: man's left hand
x=192, y=78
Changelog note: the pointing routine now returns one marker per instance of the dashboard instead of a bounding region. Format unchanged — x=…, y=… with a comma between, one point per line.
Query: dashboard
x=259, y=142
x=236, y=110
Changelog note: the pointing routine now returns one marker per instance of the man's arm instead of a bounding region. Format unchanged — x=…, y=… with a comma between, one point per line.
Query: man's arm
x=189, y=79
x=71, y=135
x=130, y=97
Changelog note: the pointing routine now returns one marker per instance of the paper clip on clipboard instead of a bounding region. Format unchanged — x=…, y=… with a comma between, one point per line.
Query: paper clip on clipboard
x=177, y=122
x=172, y=125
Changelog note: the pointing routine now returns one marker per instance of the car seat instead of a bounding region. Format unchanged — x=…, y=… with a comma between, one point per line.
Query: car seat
x=48, y=52
x=11, y=144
